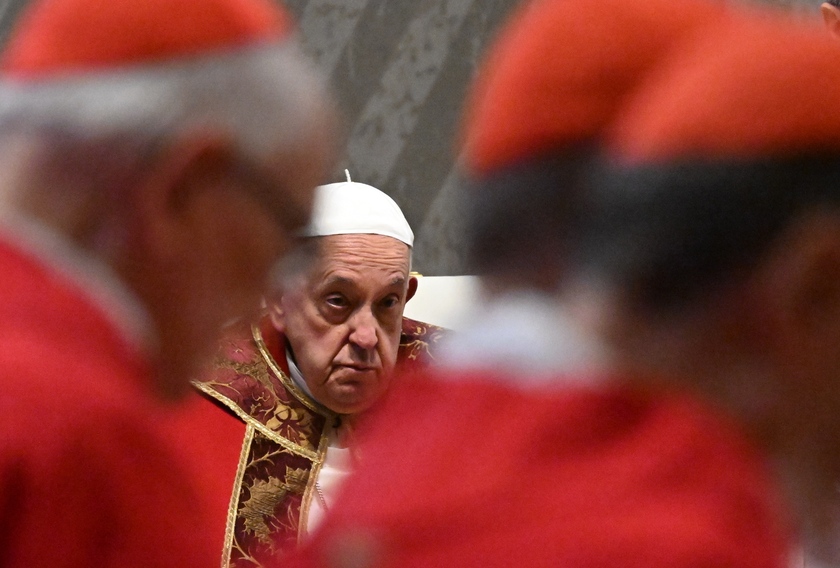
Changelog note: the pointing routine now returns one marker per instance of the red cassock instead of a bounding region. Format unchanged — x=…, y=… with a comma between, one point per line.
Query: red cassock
x=88, y=474
x=465, y=469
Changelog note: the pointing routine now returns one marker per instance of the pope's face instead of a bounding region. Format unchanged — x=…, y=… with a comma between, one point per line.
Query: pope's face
x=343, y=320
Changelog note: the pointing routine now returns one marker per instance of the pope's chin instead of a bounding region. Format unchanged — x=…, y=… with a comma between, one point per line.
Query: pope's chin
x=350, y=391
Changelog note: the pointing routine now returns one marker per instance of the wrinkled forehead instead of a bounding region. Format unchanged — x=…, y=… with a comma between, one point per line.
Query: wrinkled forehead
x=361, y=254
x=355, y=256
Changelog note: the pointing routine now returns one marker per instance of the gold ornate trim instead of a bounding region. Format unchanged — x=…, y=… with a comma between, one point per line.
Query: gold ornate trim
x=257, y=425
x=310, y=484
x=233, y=508
x=278, y=372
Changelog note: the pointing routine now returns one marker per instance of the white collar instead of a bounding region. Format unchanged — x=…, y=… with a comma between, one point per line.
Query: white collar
x=300, y=382
x=297, y=376
x=92, y=277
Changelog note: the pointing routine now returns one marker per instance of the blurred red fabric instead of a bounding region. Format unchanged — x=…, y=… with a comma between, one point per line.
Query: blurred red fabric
x=88, y=473
x=468, y=469
x=759, y=86
x=561, y=69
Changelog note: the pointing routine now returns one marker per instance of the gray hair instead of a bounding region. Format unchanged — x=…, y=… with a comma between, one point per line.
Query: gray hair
x=263, y=96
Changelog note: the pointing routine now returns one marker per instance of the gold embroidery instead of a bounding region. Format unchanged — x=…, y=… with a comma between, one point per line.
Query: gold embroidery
x=415, y=349
x=258, y=519
x=230, y=535
x=310, y=486
x=280, y=462
x=417, y=340
x=207, y=388
x=256, y=369
x=282, y=414
x=278, y=372
x=296, y=479
x=264, y=497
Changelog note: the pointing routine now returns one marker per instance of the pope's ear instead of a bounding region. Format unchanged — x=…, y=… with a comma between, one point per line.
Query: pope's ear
x=276, y=315
x=412, y=288
x=831, y=17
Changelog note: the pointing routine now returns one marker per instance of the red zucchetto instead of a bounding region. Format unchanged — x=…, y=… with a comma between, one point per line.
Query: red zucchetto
x=752, y=88
x=561, y=68
x=68, y=36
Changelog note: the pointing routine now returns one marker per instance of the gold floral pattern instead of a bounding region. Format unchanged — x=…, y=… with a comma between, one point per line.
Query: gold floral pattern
x=288, y=441
x=417, y=341
x=296, y=479
x=264, y=497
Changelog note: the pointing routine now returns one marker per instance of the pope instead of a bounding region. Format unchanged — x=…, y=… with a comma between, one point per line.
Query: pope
x=295, y=383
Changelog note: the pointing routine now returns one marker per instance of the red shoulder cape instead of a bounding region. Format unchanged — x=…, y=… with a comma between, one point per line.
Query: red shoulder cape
x=465, y=469
x=88, y=476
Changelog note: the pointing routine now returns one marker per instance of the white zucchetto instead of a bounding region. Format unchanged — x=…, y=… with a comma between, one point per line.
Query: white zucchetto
x=349, y=207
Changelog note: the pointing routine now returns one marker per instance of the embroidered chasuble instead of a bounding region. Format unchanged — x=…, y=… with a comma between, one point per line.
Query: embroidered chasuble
x=286, y=436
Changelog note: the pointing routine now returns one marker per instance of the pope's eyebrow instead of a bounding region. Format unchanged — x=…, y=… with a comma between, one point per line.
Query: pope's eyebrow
x=344, y=281
x=333, y=280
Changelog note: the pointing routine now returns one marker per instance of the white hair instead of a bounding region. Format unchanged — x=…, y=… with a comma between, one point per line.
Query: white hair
x=264, y=96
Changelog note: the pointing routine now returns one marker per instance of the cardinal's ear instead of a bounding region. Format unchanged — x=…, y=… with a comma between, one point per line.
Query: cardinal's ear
x=831, y=17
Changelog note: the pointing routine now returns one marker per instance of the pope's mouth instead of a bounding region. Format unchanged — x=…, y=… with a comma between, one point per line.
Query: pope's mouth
x=357, y=367
x=353, y=376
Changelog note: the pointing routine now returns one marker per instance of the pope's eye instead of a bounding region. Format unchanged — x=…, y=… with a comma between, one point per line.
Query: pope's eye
x=390, y=302
x=336, y=301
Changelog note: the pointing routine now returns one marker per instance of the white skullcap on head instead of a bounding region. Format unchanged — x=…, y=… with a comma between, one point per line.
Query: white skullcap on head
x=349, y=208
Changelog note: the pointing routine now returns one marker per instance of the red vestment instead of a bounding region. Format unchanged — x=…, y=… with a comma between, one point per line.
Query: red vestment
x=88, y=476
x=258, y=462
x=467, y=469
